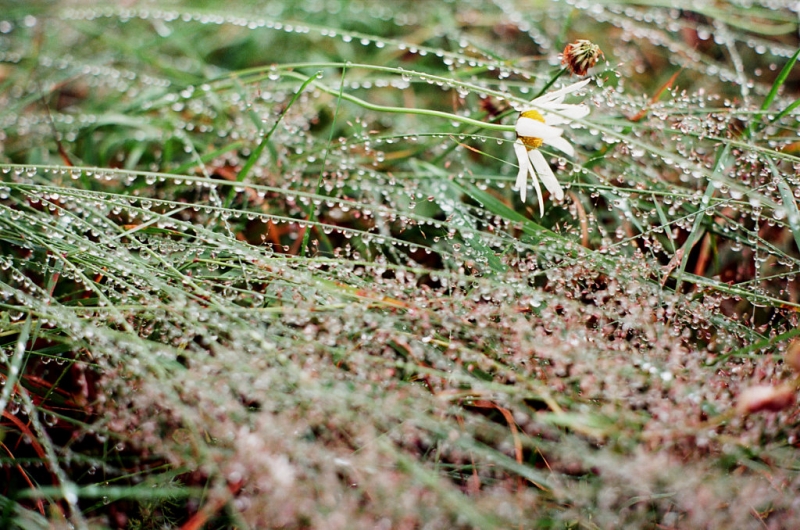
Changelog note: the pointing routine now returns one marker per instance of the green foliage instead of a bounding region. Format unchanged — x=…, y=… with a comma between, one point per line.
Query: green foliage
x=263, y=266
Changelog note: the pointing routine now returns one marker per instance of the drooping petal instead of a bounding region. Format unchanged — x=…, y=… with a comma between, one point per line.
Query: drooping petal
x=524, y=168
x=561, y=144
x=536, y=185
x=545, y=173
x=536, y=129
x=558, y=95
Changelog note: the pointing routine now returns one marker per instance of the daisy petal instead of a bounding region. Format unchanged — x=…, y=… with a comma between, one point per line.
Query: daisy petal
x=545, y=173
x=561, y=144
x=536, y=186
x=559, y=94
x=566, y=114
x=536, y=129
x=576, y=112
x=524, y=168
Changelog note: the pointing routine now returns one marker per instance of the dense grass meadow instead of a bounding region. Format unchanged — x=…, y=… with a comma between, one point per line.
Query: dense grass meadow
x=266, y=265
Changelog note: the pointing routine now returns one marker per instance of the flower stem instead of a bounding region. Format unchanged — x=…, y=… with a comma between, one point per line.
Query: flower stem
x=550, y=83
x=402, y=110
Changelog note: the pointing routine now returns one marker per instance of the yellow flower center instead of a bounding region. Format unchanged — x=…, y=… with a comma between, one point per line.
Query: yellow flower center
x=529, y=141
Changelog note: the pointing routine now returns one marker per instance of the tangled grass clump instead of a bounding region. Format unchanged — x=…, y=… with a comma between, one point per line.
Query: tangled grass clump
x=266, y=267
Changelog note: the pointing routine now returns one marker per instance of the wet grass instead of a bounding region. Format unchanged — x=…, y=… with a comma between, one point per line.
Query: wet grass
x=265, y=267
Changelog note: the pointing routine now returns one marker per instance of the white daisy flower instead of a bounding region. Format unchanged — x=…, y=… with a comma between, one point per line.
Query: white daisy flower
x=538, y=125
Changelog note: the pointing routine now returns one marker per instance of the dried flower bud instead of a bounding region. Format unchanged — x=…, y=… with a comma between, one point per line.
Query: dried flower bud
x=765, y=398
x=792, y=357
x=580, y=55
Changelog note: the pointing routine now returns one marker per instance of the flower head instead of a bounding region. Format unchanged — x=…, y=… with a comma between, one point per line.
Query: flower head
x=580, y=55
x=538, y=125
